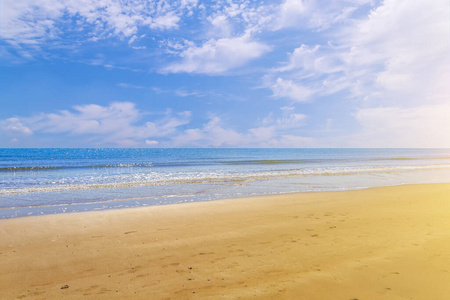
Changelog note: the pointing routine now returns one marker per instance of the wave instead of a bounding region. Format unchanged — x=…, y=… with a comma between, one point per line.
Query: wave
x=269, y=161
x=28, y=168
x=221, y=178
x=203, y=162
x=43, y=168
x=163, y=164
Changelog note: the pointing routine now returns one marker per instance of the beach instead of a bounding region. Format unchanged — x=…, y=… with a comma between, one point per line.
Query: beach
x=377, y=243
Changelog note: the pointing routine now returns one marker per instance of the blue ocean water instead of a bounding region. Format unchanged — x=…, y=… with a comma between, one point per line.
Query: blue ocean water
x=44, y=181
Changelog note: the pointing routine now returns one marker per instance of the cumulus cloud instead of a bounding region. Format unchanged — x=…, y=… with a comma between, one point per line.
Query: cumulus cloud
x=212, y=134
x=220, y=26
x=382, y=56
x=311, y=72
x=402, y=49
x=311, y=61
x=273, y=133
x=287, y=89
x=14, y=126
x=291, y=12
x=228, y=42
x=401, y=56
x=393, y=63
x=122, y=124
x=119, y=124
x=303, y=58
x=385, y=58
x=168, y=21
x=218, y=56
x=317, y=15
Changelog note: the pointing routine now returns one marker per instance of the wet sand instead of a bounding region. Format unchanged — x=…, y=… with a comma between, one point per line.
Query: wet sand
x=379, y=243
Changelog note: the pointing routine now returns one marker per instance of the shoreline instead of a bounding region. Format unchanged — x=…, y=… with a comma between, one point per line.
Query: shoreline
x=377, y=243
x=143, y=197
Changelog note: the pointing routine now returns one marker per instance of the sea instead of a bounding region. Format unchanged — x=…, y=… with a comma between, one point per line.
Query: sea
x=50, y=181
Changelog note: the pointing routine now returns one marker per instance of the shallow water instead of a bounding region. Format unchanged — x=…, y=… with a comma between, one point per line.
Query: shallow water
x=43, y=181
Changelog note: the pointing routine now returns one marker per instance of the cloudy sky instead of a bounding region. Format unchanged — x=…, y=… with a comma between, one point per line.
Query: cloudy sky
x=193, y=73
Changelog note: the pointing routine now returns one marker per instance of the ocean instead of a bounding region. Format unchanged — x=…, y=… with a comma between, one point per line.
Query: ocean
x=48, y=181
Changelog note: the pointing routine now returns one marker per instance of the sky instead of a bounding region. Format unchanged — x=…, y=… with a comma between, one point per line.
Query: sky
x=192, y=73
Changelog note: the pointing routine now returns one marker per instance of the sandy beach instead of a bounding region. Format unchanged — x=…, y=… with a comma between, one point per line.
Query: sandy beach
x=379, y=243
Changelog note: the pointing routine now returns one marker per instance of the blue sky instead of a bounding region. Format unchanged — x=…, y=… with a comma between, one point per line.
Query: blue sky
x=191, y=73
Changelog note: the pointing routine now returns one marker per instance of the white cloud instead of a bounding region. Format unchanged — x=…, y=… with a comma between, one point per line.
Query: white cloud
x=291, y=121
x=122, y=124
x=287, y=89
x=303, y=57
x=151, y=143
x=403, y=48
x=13, y=126
x=227, y=41
x=231, y=18
x=168, y=21
x=24, y=27
x=184, y=93
x=400, y=51
x=119, y=123
x=393, y=60
x=310, y=72
x=220, y=26
x=291, y=13
x=394, y=63
x=212, y=134
x=311, y=61
x=33, y=24
x=218, y=56
x=317, y=15
x=272, y=134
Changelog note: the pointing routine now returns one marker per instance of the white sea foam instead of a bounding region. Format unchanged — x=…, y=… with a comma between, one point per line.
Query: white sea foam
x=63, y=180
x=178, y=178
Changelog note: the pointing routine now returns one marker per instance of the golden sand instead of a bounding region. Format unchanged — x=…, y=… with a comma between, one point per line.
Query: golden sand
x=379, y=243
